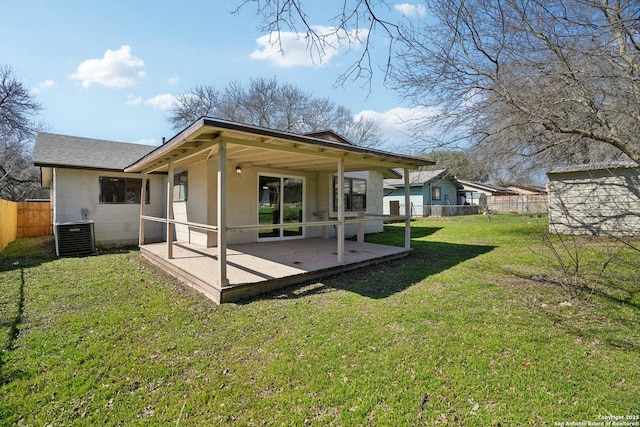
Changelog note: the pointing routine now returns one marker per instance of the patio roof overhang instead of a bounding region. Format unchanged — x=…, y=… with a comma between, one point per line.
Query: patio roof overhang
x=249, y=146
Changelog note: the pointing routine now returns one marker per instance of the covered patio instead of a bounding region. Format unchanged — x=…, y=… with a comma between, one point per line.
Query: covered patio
x=256, y=268
x=221, y=249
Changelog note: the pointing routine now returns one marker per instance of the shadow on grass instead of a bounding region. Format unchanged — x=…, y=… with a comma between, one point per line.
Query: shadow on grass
x=27, y=252
x=19, y=255
x=13, y=322
x=387, y=278
x=572, y=311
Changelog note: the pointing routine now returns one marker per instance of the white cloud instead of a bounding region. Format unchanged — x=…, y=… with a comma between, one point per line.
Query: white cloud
x=411, y=10
x=295, y=49
x=117, y=68
x=134, y=100
x=44, y=85
x=396, y=123
x=47, y=83
x=174, y=80
x=161, y=102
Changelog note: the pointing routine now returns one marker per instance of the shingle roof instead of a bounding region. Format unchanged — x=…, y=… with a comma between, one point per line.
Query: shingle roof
x=55, y=150
x=418, y=178
x=594, y=167
x=496, y=190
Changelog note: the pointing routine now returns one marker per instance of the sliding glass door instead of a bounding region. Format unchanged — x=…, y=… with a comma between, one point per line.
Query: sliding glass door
x=280, y=201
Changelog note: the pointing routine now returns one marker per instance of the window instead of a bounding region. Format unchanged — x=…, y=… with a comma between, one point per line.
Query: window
x=355, y=194
x=436, y=193
x=180, y=187
x=121, y=190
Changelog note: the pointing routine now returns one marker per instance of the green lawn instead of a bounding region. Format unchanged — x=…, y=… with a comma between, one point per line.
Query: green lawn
x=458, y=333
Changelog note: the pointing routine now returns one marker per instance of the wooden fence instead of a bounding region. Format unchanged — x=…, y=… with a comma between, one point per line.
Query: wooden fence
x=24, y=219
x=8, y=223
x=532, y=203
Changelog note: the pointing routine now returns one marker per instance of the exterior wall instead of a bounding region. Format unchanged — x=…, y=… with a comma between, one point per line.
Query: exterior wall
x=243, y=202
x=114, y=224
x=602, y=202
x=196, y=208
x=416, y=197
x=241, y=205
x=421, y=197
x=448, y=193
x=374, y=203
x=375, y=185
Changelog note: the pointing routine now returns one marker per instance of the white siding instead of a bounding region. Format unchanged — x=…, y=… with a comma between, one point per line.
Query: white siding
x=242, y=202
x=114, y=224
x=595, y=202
x=195, y=209
x=417, y=208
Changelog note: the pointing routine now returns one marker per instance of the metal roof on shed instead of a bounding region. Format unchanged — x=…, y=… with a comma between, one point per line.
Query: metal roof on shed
x=593, y=167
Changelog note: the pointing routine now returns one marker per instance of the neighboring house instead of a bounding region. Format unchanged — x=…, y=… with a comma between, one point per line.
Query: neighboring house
x=513, y=198
x=428, y=188
x=527, y=190
x=229, y=184
x=477, y=193
x=87, y=182
x=602, y=199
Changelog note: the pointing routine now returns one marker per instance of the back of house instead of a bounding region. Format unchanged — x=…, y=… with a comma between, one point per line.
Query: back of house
x=88, y=183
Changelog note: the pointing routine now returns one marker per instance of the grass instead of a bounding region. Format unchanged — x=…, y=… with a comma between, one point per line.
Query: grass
x=456, y=334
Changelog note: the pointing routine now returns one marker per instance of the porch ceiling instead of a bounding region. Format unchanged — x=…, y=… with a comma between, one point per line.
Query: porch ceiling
x=254, y=146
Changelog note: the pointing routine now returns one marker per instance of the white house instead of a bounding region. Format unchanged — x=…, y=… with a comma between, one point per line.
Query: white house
x=478, y=193
x=219, y=185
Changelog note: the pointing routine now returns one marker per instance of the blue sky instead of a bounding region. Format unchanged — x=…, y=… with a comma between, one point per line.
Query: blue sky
x=110, y=69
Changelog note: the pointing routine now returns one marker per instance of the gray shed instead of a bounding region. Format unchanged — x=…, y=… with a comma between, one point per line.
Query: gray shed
x=597, y=199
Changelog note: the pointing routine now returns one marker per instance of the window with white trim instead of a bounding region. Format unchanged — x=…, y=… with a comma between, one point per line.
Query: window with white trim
x=436, y=193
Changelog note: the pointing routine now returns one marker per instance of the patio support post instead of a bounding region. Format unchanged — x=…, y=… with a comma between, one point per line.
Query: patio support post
x=222, y=214
x=340, y=197
x=407, y=210
x=143, y=198
x=170, y=227
x=360, y=231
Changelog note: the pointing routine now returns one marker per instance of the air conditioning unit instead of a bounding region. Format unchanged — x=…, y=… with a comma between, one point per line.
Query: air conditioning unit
x=74, y=238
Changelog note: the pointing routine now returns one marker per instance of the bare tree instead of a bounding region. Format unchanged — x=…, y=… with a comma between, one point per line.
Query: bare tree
x=555, y=78
x=364, y=16
x=18, y=111
x=266, y=103
x=536, y=76
x=464, y=164
x=200, y=101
